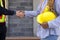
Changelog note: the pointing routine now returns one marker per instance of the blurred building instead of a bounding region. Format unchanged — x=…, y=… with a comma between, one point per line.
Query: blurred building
x=25, y=26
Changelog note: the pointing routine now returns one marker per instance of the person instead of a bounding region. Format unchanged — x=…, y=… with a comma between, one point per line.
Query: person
x=49, y=30
x=4, y=12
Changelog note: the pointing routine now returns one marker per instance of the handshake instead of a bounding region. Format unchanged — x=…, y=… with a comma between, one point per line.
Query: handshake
x=20, y=14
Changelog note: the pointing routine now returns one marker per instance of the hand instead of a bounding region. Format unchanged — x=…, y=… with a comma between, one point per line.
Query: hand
x=20, y=14
x=44, y=25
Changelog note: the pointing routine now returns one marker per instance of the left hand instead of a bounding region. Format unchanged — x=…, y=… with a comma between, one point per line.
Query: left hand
x=44, y=25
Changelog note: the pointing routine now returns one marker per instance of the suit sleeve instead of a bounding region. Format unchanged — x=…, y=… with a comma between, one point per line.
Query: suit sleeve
x=6, y=11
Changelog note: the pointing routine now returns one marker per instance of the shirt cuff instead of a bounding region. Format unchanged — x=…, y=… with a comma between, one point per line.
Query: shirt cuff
x=26, y=14
x=14, y=12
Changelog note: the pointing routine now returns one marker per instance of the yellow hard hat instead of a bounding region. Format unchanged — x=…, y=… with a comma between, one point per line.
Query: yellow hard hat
x=45, y=17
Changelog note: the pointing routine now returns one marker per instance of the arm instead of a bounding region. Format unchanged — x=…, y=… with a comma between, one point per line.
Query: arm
x=32, y=13
x=38, y=11
x=27, y=13
x=6, y=12
x=56, y=23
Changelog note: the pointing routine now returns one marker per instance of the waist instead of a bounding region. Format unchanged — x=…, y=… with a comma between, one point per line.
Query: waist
x=2, y=23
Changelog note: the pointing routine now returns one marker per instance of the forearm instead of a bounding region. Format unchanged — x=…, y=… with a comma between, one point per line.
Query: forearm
x=6, y=11
x=31, y=13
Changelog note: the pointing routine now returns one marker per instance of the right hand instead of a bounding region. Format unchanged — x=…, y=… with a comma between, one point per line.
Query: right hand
x=20, y=14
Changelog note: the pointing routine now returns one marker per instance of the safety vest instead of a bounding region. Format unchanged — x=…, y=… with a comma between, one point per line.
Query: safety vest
x=2, y=17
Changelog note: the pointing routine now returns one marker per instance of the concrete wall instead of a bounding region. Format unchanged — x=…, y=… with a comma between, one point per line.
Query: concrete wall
x=20, y=26
x=35, y=25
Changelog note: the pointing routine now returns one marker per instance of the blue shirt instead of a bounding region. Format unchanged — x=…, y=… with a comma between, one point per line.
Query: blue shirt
x=54, y=25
